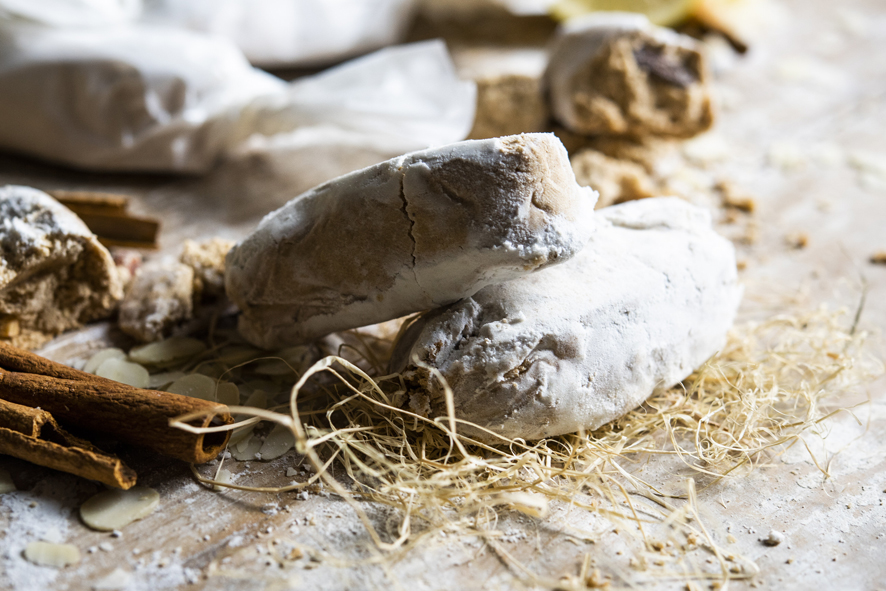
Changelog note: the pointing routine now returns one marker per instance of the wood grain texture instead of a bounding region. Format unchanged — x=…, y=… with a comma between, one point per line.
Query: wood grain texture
x=834, y=526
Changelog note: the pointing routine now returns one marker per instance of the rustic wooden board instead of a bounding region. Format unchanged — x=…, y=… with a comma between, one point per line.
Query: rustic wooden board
x=801, y=113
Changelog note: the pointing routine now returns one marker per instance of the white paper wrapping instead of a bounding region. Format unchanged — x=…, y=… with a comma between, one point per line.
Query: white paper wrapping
x=144, y=98
x=291, y=32
x=72, y=13
x=398, y=100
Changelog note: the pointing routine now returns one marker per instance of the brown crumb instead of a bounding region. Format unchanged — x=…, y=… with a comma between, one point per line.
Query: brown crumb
x=207, y=259
x=9, y=327
x=615, y=180
x=741, y=265
x=734, y=198
x=798, y=240
x=878, y=258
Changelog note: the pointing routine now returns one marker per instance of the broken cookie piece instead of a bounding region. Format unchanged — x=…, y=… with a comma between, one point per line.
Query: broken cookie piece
x=160, y=297
x=573, y=347
x=617, y=74
x=413, y=233
x=616, y=180
x=163, y=294
x=207, y=259
x=54, y=274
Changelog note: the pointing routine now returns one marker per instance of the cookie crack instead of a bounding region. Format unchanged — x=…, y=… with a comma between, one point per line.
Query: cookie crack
x=410, y=231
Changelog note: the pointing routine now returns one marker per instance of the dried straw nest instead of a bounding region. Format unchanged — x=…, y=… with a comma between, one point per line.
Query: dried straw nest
x=773, y=382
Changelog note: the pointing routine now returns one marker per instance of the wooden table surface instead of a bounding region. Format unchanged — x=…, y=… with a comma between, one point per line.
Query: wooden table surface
x=802, y=127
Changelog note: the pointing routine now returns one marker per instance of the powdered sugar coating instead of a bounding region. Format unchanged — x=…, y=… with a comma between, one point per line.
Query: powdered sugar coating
x=54, y=274
x=416, y=232
x=578, y=345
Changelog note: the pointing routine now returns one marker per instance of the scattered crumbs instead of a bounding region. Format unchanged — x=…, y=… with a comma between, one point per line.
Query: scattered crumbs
x=136, y=551
x=741, y=265
x=878, y=258
x=270, y=508
x=236, y=542
x=731, y=539
x=106, y=546
x=773, y=539
x=116, y=534
x=92, y=550
x=192, y=575
x=206, y=538
x=798, y=240
x=789, y=560
x=734, y=198
x=291, y=471
x=511, y=536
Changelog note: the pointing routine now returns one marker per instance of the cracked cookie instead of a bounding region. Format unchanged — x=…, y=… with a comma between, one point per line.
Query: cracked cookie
x=649, y=299
x=416, y=232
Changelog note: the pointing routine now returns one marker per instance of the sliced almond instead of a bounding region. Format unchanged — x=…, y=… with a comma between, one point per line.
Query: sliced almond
x=246, y=449
x=195, y=386
x=277, y=443
x=49, y=554
x=125, y=372
x=168, y=351
x=228, y=393
x=114, y=509
x=96, y=360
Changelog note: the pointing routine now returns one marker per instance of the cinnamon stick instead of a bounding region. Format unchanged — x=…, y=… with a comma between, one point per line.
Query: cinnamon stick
x=107, y=216
x=97, y=201
x=131, y=415
x=32, y=435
